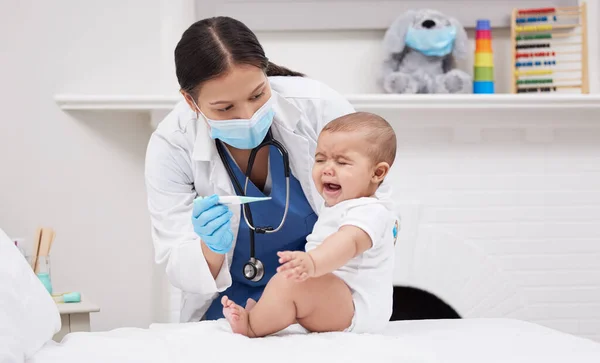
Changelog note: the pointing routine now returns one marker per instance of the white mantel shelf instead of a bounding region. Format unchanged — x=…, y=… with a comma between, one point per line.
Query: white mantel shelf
x=360, y=101
x=538, y=115
x=115, y=102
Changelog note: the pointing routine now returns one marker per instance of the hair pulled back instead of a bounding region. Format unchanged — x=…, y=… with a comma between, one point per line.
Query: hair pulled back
x=210, y=47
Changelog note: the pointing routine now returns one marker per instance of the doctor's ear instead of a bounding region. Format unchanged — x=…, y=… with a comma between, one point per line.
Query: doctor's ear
x=189, y=100
x=380, y=172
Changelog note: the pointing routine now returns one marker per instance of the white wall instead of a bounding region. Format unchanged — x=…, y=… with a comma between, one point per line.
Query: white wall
x=594, y=43
x=82, y=173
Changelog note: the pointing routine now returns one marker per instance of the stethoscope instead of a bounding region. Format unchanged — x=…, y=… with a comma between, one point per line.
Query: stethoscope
x=254, y=269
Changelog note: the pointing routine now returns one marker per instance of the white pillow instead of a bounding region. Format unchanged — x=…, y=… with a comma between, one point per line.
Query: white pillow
x=28, y=315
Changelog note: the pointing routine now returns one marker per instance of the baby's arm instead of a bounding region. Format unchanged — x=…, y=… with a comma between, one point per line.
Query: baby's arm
x=337, y=249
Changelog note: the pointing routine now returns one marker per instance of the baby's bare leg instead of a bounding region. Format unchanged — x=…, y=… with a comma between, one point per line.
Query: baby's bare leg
x=324, y=304
x=318, y=304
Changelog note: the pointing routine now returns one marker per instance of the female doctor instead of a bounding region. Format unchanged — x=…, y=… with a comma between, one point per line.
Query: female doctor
x=234, y=99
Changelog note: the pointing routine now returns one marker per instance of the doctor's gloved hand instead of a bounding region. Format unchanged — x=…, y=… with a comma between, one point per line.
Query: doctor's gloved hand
x=212, y=222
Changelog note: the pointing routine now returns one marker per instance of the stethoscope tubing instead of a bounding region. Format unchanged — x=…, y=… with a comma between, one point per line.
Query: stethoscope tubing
x=246, y=207
x=285, y=211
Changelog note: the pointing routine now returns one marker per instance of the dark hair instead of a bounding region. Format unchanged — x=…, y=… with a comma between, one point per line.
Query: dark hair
x=209, y=47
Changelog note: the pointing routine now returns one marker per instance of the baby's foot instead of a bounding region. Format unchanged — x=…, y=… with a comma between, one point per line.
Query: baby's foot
x=236, y=315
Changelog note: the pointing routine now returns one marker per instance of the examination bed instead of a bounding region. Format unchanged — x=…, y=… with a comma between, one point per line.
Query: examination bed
x=460, y=341
x=29, y=318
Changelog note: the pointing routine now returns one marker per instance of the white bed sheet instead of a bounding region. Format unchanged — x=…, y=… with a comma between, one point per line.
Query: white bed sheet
x=431, y=341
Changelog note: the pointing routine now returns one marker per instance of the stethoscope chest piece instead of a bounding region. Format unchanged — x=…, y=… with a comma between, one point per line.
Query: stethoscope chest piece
x=254, y=270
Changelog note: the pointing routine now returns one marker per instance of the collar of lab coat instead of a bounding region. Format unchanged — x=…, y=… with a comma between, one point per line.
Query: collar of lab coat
x=286, y=115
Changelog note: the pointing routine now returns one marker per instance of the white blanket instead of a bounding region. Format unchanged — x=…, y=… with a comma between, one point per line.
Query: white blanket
x=460, y=341
x=28, y=315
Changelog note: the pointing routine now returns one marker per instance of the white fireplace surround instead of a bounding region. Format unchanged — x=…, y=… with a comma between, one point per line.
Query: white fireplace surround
x=499, y=200
x=499, y=195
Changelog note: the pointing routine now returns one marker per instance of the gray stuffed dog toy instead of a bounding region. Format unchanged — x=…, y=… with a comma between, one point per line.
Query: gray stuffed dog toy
x=421, y=47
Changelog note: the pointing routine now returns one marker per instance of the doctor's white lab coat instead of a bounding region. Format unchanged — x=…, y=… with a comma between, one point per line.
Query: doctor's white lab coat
x=182, y=162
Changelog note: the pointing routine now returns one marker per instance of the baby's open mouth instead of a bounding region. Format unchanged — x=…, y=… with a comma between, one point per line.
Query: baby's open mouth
x=330, y=187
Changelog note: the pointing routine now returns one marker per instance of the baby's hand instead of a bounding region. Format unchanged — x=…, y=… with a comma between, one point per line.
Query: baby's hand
x=296, y=265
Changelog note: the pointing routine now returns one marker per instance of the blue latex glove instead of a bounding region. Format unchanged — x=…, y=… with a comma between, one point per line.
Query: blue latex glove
x=212, y=222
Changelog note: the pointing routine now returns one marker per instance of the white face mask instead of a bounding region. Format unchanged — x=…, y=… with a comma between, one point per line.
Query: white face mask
x=243, y=133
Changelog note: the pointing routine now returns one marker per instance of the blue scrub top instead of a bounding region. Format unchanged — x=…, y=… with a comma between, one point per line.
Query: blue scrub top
x=291, y=237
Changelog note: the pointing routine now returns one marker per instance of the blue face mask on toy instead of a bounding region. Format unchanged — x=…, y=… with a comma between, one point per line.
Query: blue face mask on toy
x=243, y=133
x=431, y=42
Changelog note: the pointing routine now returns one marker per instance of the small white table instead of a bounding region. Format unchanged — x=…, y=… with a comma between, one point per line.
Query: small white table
x=74, y=317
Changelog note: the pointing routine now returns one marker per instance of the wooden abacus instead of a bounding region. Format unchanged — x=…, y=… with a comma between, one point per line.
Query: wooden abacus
x=538, y=41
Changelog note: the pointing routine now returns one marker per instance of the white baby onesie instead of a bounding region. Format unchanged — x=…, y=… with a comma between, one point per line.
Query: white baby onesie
x=370, y=274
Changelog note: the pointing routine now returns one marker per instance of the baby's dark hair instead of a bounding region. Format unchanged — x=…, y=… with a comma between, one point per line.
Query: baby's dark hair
x=378, y=132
